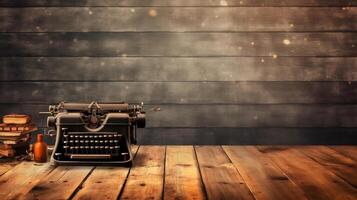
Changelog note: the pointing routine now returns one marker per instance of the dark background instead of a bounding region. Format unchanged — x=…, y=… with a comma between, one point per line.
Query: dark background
x=220, y=72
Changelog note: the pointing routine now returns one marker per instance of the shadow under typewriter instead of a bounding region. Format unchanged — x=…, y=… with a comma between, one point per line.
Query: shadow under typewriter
x=94, y=134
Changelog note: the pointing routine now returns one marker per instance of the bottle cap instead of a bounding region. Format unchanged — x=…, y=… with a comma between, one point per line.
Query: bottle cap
x=39, y=137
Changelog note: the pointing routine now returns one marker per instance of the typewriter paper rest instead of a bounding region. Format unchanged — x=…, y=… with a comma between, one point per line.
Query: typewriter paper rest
x=94, y=133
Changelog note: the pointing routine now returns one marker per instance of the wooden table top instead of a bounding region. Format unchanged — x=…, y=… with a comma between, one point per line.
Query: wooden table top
x=195, y=172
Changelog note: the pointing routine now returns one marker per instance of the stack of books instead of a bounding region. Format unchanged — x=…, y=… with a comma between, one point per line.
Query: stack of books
x=15, y=134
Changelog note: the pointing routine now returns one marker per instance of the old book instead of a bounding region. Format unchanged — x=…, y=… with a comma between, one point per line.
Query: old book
x=17, y=127
x=5, y=146
x=2, y=126
x=7, y=152
x=16, y=119
x=14, y=140
x=16, y=133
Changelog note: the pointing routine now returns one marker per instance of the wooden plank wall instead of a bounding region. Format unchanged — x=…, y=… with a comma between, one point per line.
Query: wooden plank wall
x=215, y=71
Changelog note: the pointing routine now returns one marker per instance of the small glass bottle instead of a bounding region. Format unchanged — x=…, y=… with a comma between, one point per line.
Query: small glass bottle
x=40, y=150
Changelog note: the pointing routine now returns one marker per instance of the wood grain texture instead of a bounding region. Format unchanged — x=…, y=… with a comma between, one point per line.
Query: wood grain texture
x=105, y=182
x=284, y=115
x=337, y=163
x=247, y=136
x=182, y=177
x=165, y=69
x=220, y=178
x=17, y=182
x=7, y=165
x=181, y=92
x=224, y=3
x=177, y=44
x=264, y=179
x=316, y=181
x=115, y=19
x=348, y=151
x=61, y=183
x=146, y=176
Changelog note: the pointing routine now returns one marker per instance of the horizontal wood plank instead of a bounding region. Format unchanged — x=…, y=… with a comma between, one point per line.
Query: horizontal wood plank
x=349, y=151
x=316, y=181
x=61, y=183
x=182, y=177
x=177, y=69
x=105, y=182
x=228, y=115
x=178, y=3
x=146, y=178
x=220, y=178
x=117, y=19
x=17, y=182
x=264, y=179
x=341, y=165
x=178, y=44
x=248, y=136
x=181, y=92
x=7, y=165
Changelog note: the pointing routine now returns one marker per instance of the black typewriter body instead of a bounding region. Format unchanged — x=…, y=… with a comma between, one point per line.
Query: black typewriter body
x=94, y=133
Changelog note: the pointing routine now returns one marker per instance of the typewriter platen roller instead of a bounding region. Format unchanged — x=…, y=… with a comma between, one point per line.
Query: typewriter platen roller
x=94, y=133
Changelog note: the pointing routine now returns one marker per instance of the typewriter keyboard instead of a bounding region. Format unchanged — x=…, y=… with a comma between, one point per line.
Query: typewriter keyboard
x=98, y=145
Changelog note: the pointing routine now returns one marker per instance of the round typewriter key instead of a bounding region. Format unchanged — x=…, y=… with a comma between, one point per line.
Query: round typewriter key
x=76, y=141
x=117, y=147
x=76, y=136
x=86, y=136
x=91, y=136
x=105, y=141
x=95, y=136
x=87, y=147
x=100, y=136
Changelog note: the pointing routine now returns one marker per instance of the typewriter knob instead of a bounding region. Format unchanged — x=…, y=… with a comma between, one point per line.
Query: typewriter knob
x=140, y=120
x=51, y=122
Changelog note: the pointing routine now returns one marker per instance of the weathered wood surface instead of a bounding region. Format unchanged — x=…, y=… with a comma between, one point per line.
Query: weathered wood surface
x=220, y=178
x=262, y=176
x=140, y=19
x=6, y=165
x=164, y=69
x=178, y=44
x=145, y=3
x=179, y=116
x=186, y=172
x=146, y=178
x=348, y=151
x=61, y=183
x=252, y=64
x=248, y=136
x=339, y=164
x=16, y=183
x=316, y=181
x=182, y=177
x=104, y=182
x=182, y=92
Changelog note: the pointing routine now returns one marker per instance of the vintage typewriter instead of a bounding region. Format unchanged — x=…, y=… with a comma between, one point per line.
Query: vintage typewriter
x=94, y=133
